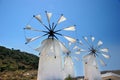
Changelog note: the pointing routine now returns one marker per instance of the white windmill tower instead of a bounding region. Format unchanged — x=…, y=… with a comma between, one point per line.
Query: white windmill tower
x=69, y=67
x=96, y=53
x=50, y=62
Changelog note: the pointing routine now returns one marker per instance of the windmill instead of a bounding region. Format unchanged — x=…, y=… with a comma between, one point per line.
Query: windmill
x=50, y=62
x=95, y=53
x=69, y=69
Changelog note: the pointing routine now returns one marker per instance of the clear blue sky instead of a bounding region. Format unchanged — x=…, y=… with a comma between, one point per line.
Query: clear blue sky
x=100, y=18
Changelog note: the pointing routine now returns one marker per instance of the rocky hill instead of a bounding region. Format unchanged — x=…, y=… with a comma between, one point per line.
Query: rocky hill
x=17, y=65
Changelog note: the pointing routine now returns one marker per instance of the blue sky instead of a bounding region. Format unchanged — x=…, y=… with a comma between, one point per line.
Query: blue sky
x=100, y=18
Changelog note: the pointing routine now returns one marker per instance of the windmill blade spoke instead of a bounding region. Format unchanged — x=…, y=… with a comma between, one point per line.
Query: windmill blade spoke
x=38, y=49
x=105, y=56
x=69, y=44
x=70, y=28
x=82, y=50
x=75, y=47
x=77, y=52
x=104, y=50
x=61, y=19
x=28, y=27
x=32, y=39
x=85, y=38
x=99, y=43
x=72, y=40
x=102, y=62
x=38, y=17
x=48, y=16
x=58, y=34
x=76, y=58
x=56, y=37
x=28, y=40
x=81, y=42
x=87, y=57
x=64, y=49
x=58, y=30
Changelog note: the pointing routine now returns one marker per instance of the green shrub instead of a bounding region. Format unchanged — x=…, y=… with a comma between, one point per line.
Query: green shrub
x=68, y=78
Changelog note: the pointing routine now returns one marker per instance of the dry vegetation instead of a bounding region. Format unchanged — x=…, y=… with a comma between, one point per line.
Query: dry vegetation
x=19, y=75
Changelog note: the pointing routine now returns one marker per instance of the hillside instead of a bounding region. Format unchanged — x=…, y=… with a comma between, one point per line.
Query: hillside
x=12, y=60
x=17, y=65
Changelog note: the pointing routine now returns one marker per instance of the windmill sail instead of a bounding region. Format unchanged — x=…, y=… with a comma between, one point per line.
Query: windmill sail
x=80, y=42
x=70, y=39
x=100, y=43
x=76, y=58
x=38, y=17
x=75, y=47
x=48, y=16
x=104, y=50
x=102, y=62
x=106, y=56
x=77, y=52
x=28, y=27
x=71, y=28
x=92, y=38
x=32, y=39
x=64, y=49
x=61, y=19
x=85, y=38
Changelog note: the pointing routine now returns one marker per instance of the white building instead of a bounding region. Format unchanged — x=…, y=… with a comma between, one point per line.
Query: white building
x=110, y=76
x=105, y=76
